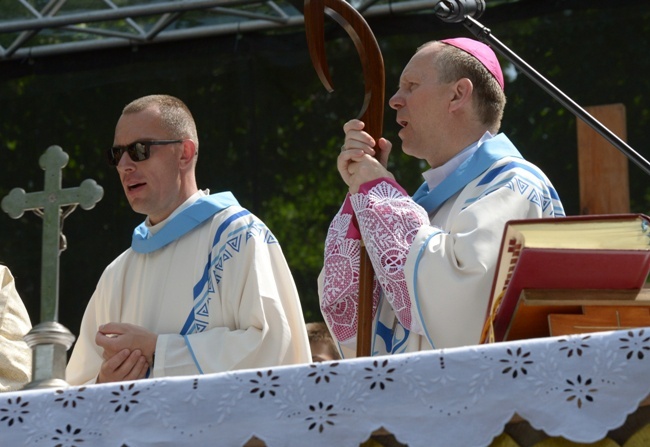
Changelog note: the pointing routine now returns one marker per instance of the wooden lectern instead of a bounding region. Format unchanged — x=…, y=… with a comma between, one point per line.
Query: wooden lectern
x=604, y=190
x=547, y=312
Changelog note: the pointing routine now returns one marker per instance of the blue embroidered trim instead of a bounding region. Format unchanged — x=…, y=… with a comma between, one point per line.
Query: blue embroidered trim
x=485, y=156
x=200, y=290
x=400, y=346
x=189, y=347
x=190, y=218
x=521, y=183
x=415, y=284
x=377, y=321
x=387, y=335
x=225, y=225
x=384, y=333
x=514, y=164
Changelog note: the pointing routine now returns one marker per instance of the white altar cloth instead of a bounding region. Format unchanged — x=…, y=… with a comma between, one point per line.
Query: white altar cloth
x=579, y=387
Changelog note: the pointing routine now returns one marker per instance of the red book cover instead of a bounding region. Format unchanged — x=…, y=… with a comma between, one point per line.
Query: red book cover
x=542, y=268
x=577, y=252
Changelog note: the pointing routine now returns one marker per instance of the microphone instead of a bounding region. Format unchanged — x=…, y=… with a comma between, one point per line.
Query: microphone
x=455, y=11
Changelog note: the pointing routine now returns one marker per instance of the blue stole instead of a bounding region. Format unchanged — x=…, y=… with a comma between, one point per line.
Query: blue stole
x=489, y=152
x=187, y=220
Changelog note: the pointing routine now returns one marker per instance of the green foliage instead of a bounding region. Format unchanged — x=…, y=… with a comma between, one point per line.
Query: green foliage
x=270, y=133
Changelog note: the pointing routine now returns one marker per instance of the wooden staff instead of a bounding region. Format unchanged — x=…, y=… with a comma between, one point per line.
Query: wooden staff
x=372, y=114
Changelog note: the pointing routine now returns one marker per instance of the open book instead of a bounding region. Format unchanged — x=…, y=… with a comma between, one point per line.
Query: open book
x=592, y=252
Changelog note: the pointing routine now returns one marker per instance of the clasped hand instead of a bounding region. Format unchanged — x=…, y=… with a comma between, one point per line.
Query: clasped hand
x=128, y=351
x=357, y=163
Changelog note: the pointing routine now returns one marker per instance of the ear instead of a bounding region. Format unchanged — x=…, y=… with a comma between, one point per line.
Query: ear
x=189, y=152
x=461, y=94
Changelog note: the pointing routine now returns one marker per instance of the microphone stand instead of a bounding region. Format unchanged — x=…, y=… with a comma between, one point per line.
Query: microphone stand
x=484, y=35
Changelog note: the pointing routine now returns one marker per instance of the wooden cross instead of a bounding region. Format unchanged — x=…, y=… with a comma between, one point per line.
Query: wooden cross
x=602, y=169
x=47, y=204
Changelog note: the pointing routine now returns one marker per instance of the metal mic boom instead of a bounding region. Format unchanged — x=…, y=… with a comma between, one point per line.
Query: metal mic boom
x=455, y=11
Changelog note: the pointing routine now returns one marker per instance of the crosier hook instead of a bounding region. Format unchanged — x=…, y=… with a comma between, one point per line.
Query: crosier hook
x=372, y=111
x=372, y=114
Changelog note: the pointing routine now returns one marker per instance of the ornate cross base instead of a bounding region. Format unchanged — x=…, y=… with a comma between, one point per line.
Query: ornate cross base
x=49, y=342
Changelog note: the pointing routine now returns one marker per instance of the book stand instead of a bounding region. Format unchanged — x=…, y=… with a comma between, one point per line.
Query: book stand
x=598, y=319
x=548, y=312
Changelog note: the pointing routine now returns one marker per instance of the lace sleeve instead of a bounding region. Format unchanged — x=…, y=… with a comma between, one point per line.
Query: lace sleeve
x=389, y=220
x=339, y=297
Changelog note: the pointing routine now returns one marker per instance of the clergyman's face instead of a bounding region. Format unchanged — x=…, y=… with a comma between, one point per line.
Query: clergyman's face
x=421, y=105
x=153, y=186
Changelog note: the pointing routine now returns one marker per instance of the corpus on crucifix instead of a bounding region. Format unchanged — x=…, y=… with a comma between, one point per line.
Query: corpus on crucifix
x=49, y=340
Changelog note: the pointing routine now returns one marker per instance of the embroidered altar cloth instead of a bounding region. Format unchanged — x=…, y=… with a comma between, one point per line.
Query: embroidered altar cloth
x=578, y=387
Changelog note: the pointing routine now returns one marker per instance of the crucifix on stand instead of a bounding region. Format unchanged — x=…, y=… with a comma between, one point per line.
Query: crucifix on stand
x=50, y=340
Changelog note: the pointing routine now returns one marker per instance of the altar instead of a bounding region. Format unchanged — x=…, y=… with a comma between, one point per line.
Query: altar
x=578, y=387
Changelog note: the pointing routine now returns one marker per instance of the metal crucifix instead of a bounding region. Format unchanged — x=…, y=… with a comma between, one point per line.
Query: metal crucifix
x=49, y=340
x=372, y=114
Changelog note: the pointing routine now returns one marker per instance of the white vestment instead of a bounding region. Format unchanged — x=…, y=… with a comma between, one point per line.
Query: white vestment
x=221, y=297
x=433, y=268
x=15, y=355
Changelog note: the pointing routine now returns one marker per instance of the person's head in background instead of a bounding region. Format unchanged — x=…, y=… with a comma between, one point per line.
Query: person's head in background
x=321, y=343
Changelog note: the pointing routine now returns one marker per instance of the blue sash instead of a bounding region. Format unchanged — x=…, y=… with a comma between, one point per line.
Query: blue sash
x=489, y=152
x=188, y=219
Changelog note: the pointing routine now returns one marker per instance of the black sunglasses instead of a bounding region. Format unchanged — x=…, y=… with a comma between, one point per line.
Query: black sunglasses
x=138, y=151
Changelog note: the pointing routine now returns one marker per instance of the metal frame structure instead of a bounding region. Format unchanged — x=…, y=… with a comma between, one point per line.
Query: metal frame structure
x=35, y=28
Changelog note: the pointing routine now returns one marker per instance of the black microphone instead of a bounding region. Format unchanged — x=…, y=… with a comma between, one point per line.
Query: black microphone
x=455, y=11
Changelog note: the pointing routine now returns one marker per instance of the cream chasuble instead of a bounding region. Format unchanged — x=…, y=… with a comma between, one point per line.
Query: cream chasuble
x=221, y=297
x=15, y=355
x=434, y=255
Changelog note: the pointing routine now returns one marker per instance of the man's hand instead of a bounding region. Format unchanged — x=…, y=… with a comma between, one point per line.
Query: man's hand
x=123, y=340
x=125, y=365
x=356, y=163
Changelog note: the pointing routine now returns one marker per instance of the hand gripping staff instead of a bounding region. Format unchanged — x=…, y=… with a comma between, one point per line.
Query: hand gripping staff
x=372, y=114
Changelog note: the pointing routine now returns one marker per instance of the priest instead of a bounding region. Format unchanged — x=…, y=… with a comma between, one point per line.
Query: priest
x=204, y=287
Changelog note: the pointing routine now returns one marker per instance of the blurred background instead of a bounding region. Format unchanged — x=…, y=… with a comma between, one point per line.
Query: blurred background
x=269, y=131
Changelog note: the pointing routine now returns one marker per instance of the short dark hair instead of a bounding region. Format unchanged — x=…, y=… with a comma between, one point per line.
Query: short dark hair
x=176, y=116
